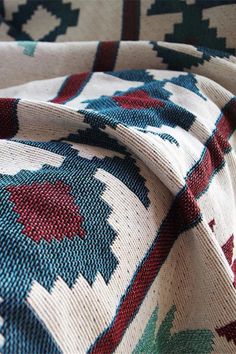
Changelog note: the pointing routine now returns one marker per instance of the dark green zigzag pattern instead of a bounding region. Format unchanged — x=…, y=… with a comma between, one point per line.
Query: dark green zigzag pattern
x=193, y=29
x=62, y=11
x=177, y=60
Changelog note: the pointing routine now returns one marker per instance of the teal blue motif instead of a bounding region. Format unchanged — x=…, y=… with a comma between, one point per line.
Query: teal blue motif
x=162, y=341
x=29, y=47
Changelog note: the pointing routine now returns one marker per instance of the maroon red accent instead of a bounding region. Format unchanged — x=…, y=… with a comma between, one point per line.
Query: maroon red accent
x=212, y=224
x=228, y=331
x=184, y=211
x=8, y=117
x=138, y=100
x=183, y=214
x=228, y=248
x=106, y=56
x=216, y=147
x=71, y=87
x=233, y=267
x=47, y=211
x=131, y=16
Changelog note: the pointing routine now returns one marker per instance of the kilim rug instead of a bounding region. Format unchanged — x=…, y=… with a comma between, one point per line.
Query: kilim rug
x=117, y=177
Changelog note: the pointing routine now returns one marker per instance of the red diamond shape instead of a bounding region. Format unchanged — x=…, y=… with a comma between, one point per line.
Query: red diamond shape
x=138, y=100
x=47, y=211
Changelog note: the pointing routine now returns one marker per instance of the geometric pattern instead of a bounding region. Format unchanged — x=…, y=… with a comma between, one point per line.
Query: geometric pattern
x=132, y=100
x=193, y=29
x=79, y=244
x=26, y=20
x=117, y=177
x=41, y=212
x=189, y=22
x=90, y=228
x=126, y=237
x=155, y=99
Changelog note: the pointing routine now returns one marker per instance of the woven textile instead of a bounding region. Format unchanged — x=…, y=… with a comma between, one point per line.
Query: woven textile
x=209, y=23
x=117, y=177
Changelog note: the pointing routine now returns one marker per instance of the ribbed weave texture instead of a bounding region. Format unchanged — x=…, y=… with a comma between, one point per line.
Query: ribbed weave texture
x=117, y=179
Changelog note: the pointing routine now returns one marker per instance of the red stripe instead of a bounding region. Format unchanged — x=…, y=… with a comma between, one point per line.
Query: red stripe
x=228, y=249
x=171, y=227
x=183, y=213
x=106, y=56
x=70, y=87
x=131, y=15
x=218, y=144
x=233, y=267
x=8, y=117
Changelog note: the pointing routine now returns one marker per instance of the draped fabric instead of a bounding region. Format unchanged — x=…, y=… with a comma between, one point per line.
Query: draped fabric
x=117, y=177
